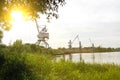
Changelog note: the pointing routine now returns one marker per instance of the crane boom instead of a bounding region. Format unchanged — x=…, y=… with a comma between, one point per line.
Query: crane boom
x=37, y=25
x=77, y=37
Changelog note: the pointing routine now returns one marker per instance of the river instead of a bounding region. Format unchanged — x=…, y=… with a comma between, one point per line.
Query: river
x=107, y=57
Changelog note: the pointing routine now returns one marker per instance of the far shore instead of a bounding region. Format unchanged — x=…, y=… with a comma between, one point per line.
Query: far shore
x=83, y=53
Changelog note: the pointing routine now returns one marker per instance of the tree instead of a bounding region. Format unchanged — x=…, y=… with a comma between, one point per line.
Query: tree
x=31, y=8
x=1, y=36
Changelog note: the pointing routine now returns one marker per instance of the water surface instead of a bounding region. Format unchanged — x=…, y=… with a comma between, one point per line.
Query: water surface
x=107, y=57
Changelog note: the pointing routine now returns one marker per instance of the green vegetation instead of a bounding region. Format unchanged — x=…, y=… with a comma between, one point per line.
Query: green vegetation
x=88, y=50
x=27, y=66
x=32, y=9
x=30, y=62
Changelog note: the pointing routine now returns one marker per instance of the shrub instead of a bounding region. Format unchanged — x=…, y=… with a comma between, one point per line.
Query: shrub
x=14, y=68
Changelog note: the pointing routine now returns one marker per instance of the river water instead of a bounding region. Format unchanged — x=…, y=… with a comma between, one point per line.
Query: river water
x=107, y=57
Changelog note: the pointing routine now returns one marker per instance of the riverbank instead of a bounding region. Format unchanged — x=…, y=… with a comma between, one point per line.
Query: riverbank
x=72, y=52
x=35, y=66
x=31, y=62
x=86, y=50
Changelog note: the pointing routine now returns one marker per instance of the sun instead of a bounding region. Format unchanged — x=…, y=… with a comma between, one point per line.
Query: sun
x=17, y=17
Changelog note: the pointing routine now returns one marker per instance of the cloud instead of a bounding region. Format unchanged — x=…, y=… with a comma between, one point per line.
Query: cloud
x=95, y=19
x=98, y=19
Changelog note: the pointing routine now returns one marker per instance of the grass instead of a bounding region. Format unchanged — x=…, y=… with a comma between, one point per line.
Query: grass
x=29, y=66
x=31, y=62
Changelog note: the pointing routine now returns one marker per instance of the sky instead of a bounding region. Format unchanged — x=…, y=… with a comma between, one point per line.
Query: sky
x=96, y=21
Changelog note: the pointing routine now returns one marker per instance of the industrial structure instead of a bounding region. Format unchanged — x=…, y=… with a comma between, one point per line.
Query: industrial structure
x=70, y=43
x=43, y=35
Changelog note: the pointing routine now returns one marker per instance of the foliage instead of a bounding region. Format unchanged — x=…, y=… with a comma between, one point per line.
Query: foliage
x=1, y=36
x=88, y=50
x=117, y=49
x=29, y=66
x=31, y=62
x=25, y=66
x=102, y=49
x=19, y=47
x=14, y=68
x=31, y=9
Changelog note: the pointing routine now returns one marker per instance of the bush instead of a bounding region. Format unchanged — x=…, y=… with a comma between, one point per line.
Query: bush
x=36, y=63
x=25, y=66
x=14, y=68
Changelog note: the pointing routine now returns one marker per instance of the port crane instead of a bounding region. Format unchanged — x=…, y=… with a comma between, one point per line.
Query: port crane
x=71, y=42
x=43, y=35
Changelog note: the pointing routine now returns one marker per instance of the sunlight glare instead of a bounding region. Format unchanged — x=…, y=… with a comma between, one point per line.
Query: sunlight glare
x=17, y=17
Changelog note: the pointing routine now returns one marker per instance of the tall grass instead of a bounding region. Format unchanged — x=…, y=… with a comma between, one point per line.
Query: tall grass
x=29, y=66
x=31, y=62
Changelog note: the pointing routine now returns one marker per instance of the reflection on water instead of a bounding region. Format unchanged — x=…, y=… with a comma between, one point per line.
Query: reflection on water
x=108, y=57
